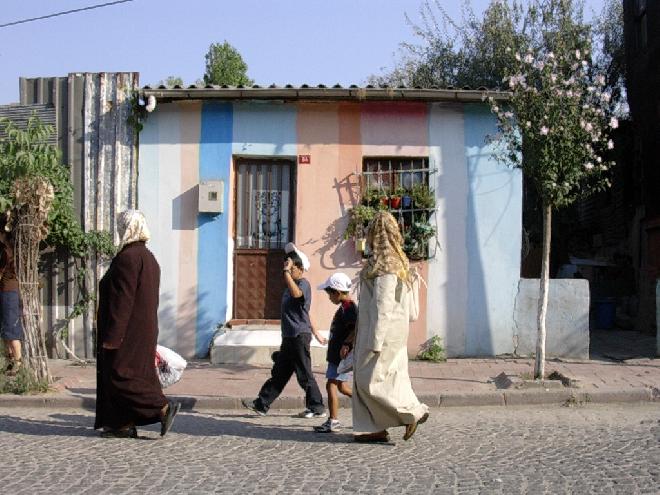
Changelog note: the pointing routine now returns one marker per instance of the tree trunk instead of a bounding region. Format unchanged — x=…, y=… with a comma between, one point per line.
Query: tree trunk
x=539, y=365
x=26, y=249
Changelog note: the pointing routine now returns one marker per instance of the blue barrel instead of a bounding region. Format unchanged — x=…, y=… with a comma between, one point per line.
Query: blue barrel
x=605, y=313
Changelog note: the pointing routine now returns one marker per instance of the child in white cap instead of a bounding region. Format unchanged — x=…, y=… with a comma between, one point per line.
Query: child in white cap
x=342, y=333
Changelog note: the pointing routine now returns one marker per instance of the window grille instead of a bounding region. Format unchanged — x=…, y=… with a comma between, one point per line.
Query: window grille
x=402, y=186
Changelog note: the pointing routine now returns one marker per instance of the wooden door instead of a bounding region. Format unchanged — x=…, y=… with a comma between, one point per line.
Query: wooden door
x=264, y=224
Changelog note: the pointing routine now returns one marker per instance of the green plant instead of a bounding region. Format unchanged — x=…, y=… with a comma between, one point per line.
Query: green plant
x=22, y=383
x=36, y=193
x=138, y=112
x=422, y=196
x=432, y=350
x=358, y=219
x=376, y=198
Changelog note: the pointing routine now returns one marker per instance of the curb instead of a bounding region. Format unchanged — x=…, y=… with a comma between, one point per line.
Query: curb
x=497, y=398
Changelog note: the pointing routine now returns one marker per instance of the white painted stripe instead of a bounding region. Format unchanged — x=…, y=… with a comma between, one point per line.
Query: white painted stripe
x=447, y=284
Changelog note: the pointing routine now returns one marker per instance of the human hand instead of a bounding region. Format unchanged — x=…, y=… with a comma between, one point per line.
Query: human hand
x=321, y=339
x=288, y=264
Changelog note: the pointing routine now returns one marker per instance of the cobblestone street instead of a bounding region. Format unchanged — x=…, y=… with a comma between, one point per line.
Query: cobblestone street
x=583, y=449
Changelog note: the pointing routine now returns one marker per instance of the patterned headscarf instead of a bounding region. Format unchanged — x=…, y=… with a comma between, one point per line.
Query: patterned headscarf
x=385, y=241
x=132, y=227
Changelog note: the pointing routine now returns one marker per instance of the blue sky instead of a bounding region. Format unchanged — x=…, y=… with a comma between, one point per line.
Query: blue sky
x=283, y=41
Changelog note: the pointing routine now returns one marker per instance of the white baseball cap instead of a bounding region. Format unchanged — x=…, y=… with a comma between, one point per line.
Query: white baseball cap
x=337, y=281
x=291, y=248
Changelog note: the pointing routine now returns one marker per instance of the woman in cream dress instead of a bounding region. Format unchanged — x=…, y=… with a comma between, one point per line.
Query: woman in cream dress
x=383, y=396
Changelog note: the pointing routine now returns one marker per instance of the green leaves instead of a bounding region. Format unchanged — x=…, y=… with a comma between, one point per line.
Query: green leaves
x=225, y=65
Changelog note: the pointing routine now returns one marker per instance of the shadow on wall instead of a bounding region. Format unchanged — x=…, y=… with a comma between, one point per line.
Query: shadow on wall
x=180, y=326
x=478, y=338
x=184, y=210
x=337, y=252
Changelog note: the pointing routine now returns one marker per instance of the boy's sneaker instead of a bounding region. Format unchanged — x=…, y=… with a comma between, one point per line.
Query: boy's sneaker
x=309, y=414
x=250, y=404
x=330, y=426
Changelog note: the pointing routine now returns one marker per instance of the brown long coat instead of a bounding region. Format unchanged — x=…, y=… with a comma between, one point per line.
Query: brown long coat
x=127, y=386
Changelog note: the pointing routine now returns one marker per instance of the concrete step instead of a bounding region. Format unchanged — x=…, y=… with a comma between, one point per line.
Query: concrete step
x=249, y=344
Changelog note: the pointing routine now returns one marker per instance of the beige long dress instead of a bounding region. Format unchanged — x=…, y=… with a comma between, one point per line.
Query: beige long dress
x=382, y=395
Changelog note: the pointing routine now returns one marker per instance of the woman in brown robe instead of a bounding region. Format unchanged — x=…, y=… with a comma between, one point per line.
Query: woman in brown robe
x=128, y=392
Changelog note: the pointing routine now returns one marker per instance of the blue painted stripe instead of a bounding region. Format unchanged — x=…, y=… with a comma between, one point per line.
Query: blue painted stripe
x=493, y=232
x=213, y=231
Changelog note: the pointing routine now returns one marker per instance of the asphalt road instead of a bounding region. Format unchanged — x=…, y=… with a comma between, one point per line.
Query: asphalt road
x=581, y=449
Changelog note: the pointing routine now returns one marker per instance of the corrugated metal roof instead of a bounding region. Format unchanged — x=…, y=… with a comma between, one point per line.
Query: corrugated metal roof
x=322, y=92
x=19, y=115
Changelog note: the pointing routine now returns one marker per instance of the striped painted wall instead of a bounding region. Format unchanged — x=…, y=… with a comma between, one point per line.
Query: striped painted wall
x=473, y=278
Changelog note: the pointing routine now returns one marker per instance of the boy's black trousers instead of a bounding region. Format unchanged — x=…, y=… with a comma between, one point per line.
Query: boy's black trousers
x=294, y=357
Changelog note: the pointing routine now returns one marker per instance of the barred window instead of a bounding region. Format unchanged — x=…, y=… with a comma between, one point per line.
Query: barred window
x=401, y=185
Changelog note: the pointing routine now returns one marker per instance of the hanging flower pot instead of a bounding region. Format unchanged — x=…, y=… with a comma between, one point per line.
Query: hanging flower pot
x=406, y=202
x=360, y=244
x=395, y=202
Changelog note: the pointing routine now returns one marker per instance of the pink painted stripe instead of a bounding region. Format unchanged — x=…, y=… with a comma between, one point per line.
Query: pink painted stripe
x=185, y=221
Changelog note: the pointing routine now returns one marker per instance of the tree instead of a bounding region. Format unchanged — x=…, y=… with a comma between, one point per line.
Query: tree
x=610, y=57
x=555, y=125
x=171, y=81
x=469, y=53
x=36, y=196
x=225, y=66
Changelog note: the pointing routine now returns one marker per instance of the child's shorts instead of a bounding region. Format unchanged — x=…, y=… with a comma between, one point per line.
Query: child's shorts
x=10, y=324
x=331, y=374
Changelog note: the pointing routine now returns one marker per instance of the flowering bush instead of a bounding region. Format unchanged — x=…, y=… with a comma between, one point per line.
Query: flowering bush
x=555, y=126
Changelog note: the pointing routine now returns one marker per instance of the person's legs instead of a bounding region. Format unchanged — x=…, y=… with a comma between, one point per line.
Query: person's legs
x=345, y=388
x=14, y=348
x=333, y=399
x=302, y=363
x=280, y=375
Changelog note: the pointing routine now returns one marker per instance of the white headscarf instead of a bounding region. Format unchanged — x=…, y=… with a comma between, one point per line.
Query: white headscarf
x=132, y=227
x=291, y=247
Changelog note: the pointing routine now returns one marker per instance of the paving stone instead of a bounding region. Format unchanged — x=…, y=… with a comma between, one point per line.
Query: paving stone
x=550, y=449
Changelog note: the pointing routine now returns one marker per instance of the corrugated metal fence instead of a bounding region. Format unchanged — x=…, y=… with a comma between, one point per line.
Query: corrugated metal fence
x=98, y=144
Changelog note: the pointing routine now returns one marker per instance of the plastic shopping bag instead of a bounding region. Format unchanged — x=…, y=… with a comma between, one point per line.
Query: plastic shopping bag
x=169, y=366
x=346, y=364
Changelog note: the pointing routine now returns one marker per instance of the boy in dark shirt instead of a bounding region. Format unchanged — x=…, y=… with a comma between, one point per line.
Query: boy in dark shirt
x=342, y=333
x=294, y=355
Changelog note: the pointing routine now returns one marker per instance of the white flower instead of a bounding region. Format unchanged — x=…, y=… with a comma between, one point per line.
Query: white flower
x=528, y=124
x=508, y=115
x=600, y=79
x=507, y=49
x=539, y=65
x=614, y=122
x=585, y=63
x=605, y=97
x=517, y=55
x=553, y=77
x=577, y=54
x=496, y=109
x=602, y=167
x=599, y=159
x=544, y=131
x=591, y=89
x=589, y=165
x=588, y=127
x=610, y=144
x=528, y=58
x=551, y=55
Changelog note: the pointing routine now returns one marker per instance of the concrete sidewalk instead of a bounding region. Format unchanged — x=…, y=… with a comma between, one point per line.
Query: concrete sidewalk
x=457, y=382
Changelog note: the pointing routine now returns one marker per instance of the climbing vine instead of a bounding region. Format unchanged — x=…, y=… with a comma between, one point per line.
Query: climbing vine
x=31, y=172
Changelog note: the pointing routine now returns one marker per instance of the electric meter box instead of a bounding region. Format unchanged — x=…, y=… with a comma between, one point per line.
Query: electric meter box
x=211, y=196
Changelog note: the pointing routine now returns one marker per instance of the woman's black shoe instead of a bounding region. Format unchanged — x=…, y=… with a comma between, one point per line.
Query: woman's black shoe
x=168, y=419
